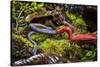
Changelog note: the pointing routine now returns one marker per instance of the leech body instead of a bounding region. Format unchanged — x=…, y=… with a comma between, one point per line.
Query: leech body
x=80, y=37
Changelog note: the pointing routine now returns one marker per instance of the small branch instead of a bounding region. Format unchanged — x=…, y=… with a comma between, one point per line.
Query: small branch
x=18, y=19
x=17, y=24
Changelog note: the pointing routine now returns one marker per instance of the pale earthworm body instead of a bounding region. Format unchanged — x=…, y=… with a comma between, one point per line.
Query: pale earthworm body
x=44, y=30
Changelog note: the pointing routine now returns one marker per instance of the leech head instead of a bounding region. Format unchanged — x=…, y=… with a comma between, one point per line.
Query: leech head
x=63, y=29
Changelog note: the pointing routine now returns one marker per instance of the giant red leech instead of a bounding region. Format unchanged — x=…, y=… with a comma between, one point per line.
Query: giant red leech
x=80, y=37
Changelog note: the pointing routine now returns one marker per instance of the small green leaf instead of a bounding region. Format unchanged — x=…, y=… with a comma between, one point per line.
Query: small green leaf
x=89, y=53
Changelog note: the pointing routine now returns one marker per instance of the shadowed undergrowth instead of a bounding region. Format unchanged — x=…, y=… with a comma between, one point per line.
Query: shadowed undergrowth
x=49, y=44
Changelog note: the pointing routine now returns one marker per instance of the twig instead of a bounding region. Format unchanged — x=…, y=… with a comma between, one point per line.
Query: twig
x=17, y=24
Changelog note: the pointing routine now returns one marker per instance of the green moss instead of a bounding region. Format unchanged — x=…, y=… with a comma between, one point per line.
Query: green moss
x=57, y=47
x=78, y=22
x=89, y=55
x=22, y=39
x=62, y=48
x=39, y=37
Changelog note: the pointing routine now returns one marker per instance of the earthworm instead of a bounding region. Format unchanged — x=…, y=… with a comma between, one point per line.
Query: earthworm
x=45, y=30
x=34, y=51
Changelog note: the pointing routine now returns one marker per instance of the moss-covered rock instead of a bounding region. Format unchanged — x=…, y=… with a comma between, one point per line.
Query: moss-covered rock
x=21, y=47
x=57, y=47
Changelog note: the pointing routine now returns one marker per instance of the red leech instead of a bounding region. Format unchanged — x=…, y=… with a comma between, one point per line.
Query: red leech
x=87, y=37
